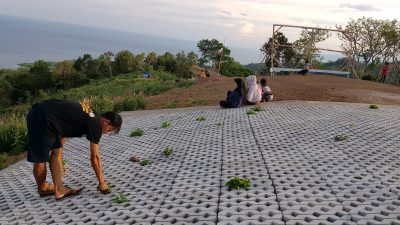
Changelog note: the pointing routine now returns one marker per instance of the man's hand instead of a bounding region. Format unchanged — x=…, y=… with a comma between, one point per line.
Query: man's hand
x=103, y=188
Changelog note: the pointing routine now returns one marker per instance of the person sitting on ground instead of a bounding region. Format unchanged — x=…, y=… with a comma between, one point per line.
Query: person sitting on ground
x=49, y=124
x=384, y=72
x=234, y=98
x=266, y=91
x=254, y=91
x=305, y=69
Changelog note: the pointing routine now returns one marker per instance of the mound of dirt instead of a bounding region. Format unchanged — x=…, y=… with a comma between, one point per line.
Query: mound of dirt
x=209, y=91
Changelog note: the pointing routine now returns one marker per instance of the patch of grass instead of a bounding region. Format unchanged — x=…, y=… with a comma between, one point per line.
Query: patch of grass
x=197, y=102
x=120, y=198
x=166, y=124
x=13, y=134
x=145, y=162
x=373, y=107
x=3, y=161
x=238, y=183
x=168, y=151
x=340, y=137
x=137, y=132
x=172, y=104
x=201, y=118
x=251, y=112
x=257, y=108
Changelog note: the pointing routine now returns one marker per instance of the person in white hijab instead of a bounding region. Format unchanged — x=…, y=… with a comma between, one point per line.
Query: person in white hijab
x=254, y=91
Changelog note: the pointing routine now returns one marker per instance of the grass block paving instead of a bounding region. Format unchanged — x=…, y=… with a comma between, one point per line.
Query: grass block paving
x=299, y=174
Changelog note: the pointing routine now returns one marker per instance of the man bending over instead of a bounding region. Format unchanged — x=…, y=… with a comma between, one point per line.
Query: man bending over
x=50, y=123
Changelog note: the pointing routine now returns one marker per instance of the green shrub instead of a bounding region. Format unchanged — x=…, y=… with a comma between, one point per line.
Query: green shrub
x=257, y=108
x=340, y=137
x=251, y=112
x=145, y=162
x=137, y=132
x=201, y=118
x=237, y=183
x=128, y=102
x=166, y=124
x=168, y=151
x=171, y=104
x=373, y=107
x=120, y=198
x=164, y=76
x=13, y=134
x=368, y=77
x=3, y=159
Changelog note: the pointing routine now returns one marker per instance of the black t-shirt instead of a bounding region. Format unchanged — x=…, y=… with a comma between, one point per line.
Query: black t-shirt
x=71, y=119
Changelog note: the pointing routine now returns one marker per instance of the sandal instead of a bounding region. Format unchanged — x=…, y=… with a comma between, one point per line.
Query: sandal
x=70, y=194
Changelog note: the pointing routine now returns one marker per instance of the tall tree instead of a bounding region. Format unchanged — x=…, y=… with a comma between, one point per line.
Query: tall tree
x=284, y=52
x=214, y=52
x=368, y=42
x=124, y=61
x=106, y=64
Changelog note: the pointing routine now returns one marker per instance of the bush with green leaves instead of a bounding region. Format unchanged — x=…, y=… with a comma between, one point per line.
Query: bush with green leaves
x=238, y=183
x=120, y=198
x=128, y=102
x=373, y=107
x=171, y=104
x=3, y=159
x=168, y=151
x=145, y=162
x=257, y=108
x=340, y=137
x=13, y=134
x=201, y=118
x=166, y=124
x=137, y=132
x=251, y=112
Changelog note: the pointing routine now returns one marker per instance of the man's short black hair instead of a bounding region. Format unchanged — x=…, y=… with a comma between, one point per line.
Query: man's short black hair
x=115, y=120
x=263, y=81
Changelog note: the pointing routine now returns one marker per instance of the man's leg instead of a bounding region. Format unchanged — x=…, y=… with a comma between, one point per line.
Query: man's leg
x=39, y=172
x=56, y=172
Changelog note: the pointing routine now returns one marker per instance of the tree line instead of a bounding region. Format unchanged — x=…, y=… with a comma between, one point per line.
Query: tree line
x=366, y=44
x=30, y=81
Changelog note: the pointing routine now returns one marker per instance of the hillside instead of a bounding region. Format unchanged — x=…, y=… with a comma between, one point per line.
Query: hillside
x=209, y=91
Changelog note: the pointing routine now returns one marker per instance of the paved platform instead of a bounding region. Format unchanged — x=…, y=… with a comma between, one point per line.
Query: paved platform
x=299, y=174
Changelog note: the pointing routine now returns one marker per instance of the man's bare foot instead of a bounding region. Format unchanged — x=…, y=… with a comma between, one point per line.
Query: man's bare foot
x=46, y=189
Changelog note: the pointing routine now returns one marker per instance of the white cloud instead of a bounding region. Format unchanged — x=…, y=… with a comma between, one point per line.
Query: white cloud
x=246, y=28
x=244, y=22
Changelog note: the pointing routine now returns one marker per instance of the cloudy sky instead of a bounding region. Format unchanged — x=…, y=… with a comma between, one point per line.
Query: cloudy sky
x=241, y=23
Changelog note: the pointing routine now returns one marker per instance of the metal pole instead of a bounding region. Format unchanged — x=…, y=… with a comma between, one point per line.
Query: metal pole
x=272, y=51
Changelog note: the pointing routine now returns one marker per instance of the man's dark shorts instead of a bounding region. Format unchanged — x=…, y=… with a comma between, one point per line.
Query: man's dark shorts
x=40, y=140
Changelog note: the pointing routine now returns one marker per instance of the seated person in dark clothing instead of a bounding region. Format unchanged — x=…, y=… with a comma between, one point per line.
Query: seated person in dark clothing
x=305, y=69
x=234, y=98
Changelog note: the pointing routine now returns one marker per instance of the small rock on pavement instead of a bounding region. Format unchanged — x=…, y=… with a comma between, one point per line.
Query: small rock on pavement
x=135, y=158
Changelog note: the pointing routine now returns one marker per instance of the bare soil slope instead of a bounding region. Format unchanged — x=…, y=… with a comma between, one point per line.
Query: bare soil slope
x=209, y=91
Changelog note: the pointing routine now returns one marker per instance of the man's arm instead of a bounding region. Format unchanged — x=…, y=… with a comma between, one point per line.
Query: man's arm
x=98, y=169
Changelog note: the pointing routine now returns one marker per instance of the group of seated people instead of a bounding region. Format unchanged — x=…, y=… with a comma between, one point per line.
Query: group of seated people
x=250, y=94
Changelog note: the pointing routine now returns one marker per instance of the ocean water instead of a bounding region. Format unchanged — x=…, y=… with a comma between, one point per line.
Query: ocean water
x=26, y=40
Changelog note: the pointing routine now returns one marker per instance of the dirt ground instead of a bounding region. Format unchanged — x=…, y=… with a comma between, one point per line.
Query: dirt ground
x=209, y=91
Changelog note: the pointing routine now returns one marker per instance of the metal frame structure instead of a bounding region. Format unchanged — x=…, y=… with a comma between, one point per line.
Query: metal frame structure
x=274, y=45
